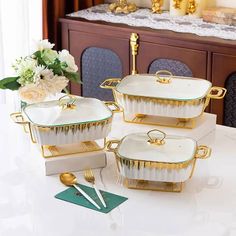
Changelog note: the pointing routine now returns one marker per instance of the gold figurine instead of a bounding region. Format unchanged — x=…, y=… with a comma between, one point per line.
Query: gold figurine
x=177, y=4
x=122, y=6
x=192, y=6
x=156, y=6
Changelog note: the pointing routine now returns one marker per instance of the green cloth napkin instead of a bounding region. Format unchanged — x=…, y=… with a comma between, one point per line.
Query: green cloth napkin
x=72, y=195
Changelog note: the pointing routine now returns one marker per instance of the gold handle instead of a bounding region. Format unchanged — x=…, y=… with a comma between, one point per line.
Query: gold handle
x=68, y=103
x=203, y=152
x=113, y=106
x=16, y=116
x=110, y=83
x=217, y=93
x=164, y=80
x=156, y=141
x=109, y=145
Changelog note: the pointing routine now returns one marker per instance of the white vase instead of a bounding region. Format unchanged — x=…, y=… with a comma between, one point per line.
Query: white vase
x=178, y=7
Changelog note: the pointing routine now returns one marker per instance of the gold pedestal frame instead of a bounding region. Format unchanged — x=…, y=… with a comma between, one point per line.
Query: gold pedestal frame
x=153, y=185
x=160, y=121
x=48, y=151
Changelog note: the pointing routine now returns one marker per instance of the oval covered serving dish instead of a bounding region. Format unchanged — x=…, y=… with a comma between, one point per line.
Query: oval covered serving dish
x=155, y=156
x=163, y=95
x=66, y=121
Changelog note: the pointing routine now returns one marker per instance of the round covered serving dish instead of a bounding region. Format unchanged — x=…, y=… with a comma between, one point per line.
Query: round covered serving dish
x=163, y=95
x=67, y=120
x=155, y=156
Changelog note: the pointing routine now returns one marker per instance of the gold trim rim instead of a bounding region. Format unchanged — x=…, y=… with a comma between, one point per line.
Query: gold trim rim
x=173, y=77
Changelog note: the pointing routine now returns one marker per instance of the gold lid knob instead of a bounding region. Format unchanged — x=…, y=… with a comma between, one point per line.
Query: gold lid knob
x=155, y=140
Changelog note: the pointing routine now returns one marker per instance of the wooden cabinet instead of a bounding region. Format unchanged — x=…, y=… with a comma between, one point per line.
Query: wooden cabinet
x=205, y=57
x=149, y=52
x=80, y=42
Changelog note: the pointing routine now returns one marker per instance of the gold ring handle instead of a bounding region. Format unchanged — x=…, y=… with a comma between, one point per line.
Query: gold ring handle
x=203, y=152
x=68, y=103
x=18, y=118
x=110, y=83
x=113, y=106
x=164, y=80
x=217, y=93
x=109, y=145
x=156, y=141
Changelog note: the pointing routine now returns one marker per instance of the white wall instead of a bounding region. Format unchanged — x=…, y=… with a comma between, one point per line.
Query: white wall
x=226, y=3
x=210, y=3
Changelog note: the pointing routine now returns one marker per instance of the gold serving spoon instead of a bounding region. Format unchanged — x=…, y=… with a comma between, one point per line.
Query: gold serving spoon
x=69, y=179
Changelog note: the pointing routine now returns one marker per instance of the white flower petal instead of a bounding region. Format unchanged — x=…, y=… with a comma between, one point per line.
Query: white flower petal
x=32, y=93
x=44, y=44
x=65, y=56
x=53, y=85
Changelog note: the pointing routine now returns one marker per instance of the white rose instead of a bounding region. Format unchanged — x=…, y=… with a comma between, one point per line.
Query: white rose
x=64, y=56
x=53, y=85
x=32, y=93
x=44, y=44
x=47, y=74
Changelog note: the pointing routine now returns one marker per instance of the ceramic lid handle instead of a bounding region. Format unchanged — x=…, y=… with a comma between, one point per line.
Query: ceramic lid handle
x=67, y=102
x=167, y=76
x=154, y=140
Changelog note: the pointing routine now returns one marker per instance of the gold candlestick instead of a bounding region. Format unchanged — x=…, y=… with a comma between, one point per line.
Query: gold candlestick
x=156, y=6
x=122, y=6
x=134, y=51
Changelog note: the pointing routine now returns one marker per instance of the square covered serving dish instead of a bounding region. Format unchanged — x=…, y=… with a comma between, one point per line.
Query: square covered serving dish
x=156, y=157
x=66, y=121
x=162, y=95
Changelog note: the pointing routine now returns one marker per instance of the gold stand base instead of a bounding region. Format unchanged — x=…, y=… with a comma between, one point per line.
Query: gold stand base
x=160, y=121
x=153, y=185
x=69, y=149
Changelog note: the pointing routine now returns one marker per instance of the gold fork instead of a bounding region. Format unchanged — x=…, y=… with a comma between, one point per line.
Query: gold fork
x=88, y=175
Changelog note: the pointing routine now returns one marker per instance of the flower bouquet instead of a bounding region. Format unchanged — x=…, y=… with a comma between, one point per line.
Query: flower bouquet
x=46, y=72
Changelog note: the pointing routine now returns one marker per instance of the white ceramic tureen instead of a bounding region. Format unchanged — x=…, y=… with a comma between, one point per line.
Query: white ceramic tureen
x=163, y=95
x=67, y=120
x=155, y=156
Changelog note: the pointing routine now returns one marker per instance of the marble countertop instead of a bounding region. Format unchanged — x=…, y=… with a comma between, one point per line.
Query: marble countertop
x=206, y=206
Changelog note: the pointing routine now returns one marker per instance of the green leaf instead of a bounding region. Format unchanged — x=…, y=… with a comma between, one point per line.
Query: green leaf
x=73, y=76
x=38, y=55
x=10, y=83
x=56, y=67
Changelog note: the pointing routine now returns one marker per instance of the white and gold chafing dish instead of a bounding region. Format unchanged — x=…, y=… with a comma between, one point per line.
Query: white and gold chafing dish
x=155, y=160
x=144, y=97
x=67, y=121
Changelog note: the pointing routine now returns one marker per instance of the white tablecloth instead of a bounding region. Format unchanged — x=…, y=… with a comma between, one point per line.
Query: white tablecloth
x=207, y=205
x=144, y=18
